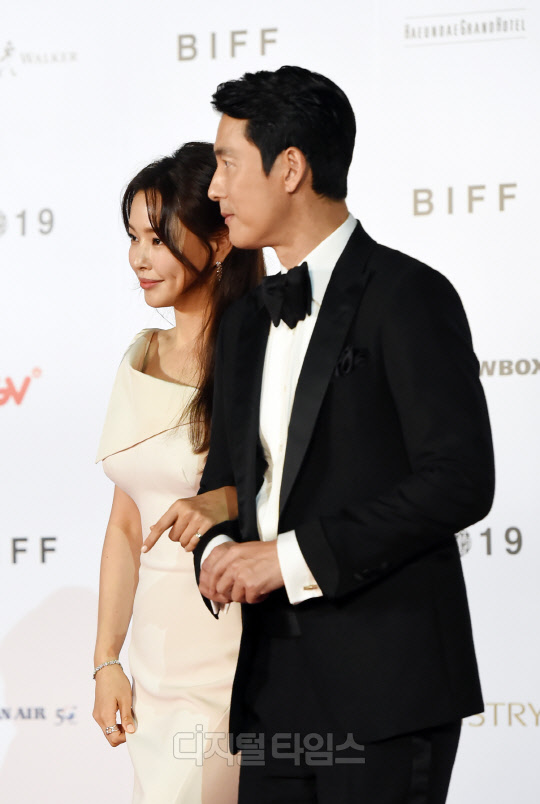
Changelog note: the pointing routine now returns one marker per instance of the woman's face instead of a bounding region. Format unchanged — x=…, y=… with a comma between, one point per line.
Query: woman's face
x=162, y=277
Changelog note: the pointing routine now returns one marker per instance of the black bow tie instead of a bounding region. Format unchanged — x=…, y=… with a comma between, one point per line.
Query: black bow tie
x=287, y=297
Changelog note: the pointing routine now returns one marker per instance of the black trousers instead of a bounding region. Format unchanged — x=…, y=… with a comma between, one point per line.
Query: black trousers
x=291, y=755
x=409, y=769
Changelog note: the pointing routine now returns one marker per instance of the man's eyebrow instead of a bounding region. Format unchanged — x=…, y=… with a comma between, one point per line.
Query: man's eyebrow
x=223, y=151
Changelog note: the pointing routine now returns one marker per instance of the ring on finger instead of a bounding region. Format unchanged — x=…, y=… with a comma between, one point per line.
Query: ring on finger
x=198, y=535
x=110, y=729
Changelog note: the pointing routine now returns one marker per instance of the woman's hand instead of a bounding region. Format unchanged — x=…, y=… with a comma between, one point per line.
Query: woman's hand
x=113, y=693
x=189, y=519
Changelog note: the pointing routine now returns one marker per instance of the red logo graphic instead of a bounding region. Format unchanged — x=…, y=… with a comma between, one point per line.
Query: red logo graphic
x=11, y=391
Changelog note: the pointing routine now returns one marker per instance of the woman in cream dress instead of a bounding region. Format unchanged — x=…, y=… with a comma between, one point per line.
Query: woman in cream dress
x=153, y=448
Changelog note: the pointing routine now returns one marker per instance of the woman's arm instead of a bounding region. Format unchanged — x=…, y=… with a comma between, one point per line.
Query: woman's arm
x=192, y=517
x=118, y=581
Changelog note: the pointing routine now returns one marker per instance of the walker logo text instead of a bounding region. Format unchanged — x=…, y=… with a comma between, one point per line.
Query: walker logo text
x=228, y=44
x=469, y=199
x=472, y=27
x=506, y=368
x=16, y=391
x=11, y=60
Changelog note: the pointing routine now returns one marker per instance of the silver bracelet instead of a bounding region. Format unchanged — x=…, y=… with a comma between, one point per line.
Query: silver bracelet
x=105, y=664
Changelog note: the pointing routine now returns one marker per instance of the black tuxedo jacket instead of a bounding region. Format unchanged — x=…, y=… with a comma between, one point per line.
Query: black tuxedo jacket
x=388, y=455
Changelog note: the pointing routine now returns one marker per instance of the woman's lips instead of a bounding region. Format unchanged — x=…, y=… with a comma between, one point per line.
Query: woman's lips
x=146, y=284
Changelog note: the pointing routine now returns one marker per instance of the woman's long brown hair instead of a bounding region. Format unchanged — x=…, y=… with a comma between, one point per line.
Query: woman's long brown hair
x=176, y=191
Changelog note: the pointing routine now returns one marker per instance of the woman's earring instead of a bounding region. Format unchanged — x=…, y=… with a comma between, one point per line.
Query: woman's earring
x=219, y=270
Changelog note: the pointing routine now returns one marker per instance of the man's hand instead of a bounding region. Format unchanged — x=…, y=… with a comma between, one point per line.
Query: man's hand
x=244, y=573
x=194, y=515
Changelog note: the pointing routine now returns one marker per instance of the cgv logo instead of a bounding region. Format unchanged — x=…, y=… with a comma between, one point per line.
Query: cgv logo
x=505, y=368
x=17, y=393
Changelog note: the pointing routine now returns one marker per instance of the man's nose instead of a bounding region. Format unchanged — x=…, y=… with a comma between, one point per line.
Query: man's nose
x=215, y=189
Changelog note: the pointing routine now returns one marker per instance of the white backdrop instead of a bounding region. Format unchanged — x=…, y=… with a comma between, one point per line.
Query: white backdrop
x=446, y=168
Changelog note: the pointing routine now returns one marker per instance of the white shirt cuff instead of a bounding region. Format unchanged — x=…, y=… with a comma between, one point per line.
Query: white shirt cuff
x=215, y=542
x=300, y=583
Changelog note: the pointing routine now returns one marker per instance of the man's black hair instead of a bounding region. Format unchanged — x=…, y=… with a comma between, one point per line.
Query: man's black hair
x=295, y=107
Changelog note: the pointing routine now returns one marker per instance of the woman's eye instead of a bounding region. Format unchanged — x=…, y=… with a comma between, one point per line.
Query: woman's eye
x=132, y=237
x=156, y=241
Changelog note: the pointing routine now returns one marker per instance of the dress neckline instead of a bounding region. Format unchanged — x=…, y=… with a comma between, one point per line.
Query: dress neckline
x=142, y=360
x=141, y=406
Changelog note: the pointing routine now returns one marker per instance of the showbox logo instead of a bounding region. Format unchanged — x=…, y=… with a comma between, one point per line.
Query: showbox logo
x=507, y=368
x=16, y=391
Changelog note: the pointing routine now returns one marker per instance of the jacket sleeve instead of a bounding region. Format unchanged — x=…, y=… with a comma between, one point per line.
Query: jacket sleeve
x=218, y=470
x=433, y=378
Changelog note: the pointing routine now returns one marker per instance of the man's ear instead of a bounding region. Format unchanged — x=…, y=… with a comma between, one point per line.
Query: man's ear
x=295, y=168
x=221, y=245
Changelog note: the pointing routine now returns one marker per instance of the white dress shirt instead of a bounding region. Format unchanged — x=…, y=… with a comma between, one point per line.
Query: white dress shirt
x=285, y=353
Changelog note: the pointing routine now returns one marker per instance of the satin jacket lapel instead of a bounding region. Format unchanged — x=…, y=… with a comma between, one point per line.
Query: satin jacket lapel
x=341, y=300
x=249, y=364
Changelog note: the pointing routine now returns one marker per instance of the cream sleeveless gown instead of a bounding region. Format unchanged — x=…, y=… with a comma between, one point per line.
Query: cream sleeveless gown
x=182, y=659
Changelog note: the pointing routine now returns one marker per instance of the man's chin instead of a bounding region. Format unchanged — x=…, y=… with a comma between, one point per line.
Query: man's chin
x=242, y=239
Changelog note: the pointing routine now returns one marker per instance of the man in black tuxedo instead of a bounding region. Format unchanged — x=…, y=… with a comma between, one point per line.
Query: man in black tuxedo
x=349, y=415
